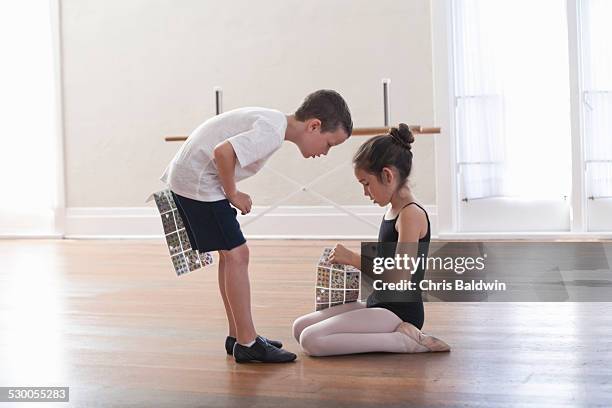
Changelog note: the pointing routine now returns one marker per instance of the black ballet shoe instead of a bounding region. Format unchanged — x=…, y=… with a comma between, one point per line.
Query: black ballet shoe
x=230, y=341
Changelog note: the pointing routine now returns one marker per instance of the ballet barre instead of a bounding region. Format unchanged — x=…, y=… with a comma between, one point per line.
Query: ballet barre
x=361, y=131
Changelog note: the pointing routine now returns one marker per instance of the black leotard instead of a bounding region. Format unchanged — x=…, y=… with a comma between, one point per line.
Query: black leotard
x=411, y=312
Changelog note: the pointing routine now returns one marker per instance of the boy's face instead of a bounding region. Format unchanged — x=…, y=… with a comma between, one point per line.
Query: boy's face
x=316, y=143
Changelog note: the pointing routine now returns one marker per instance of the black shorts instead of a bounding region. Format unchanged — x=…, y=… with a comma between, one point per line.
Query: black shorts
x=210, y=225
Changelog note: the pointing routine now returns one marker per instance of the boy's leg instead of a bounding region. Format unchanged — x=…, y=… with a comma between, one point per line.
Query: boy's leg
x=249, y=346
x=238, y=292
x=222, y=288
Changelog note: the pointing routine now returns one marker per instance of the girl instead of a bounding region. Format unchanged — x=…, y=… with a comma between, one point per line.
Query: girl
x=382, y=165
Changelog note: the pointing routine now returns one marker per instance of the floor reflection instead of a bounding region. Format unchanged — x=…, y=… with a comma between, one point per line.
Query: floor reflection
x=31, y=317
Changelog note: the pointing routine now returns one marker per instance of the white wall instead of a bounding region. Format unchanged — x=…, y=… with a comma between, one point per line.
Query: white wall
x=137, y=70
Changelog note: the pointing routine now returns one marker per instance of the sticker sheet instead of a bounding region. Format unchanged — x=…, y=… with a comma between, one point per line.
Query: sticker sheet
x=336, y=284
x=184, y=258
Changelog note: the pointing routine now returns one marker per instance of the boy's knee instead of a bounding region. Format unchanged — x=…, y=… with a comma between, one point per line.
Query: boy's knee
x=238, y=255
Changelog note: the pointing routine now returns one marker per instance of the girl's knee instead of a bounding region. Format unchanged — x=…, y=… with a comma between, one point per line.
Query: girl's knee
x=311, y=342
x=298, y=327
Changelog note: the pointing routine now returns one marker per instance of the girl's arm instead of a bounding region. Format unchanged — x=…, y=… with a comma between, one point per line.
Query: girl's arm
x=410, y=225
x=342, y=255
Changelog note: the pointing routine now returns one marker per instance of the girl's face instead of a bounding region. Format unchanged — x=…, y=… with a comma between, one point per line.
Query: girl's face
x=380, y=192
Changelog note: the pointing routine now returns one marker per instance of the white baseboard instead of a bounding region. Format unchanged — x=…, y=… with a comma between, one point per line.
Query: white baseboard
x=285, y=222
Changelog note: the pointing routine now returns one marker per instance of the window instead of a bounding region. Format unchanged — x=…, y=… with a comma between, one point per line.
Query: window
x=512, y=99
x=510, y=70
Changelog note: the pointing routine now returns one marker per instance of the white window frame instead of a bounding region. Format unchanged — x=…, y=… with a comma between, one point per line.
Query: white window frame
x=56, y=27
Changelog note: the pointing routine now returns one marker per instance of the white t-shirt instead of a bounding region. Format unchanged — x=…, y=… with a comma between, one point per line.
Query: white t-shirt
x=255, y=133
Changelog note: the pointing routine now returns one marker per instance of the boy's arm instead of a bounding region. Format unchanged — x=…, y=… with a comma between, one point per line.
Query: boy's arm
x=225, y=158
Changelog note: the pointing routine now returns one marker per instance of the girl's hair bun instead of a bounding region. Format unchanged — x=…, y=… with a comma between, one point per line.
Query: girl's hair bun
x=402, y=135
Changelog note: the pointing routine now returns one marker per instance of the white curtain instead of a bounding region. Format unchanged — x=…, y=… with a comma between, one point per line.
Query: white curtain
x=512, y=98
x=28, y=137
x=479, y=102
x=596, y=16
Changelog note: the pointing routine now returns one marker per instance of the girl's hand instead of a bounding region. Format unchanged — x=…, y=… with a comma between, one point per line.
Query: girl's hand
x=341, y=255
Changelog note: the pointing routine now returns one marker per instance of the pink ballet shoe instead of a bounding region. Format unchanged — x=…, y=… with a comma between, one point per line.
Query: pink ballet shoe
x=431, y=342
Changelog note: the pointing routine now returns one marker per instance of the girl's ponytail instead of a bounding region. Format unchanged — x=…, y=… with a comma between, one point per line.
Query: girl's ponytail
x=402, y=135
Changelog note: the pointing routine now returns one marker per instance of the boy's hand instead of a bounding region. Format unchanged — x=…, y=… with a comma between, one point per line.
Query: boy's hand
x=341, y=255
x=241, y=201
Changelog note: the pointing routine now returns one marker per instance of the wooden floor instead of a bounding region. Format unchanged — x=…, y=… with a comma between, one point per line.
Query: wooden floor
x=110, y=320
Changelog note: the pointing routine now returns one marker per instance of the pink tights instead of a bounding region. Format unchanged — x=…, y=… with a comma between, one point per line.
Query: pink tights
x=352, y=328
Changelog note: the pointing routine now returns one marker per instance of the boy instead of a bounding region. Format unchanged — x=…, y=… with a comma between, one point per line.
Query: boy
x=202, y=176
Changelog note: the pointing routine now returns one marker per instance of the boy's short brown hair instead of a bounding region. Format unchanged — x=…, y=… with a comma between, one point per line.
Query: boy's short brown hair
x=329, y=107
